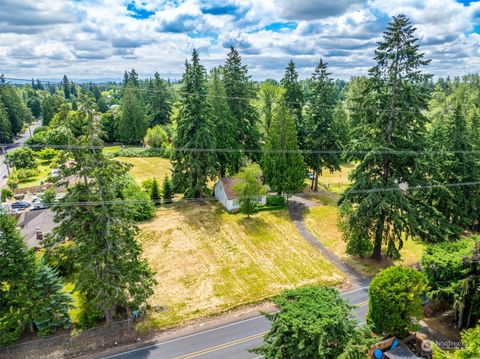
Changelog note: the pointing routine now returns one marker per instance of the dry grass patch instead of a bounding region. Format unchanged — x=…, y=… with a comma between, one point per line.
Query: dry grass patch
x=207, y=260
x=148, y=167
x=322, y=222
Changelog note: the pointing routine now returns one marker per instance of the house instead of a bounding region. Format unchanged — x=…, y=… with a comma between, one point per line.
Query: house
x=225, y=194
x=35, y=224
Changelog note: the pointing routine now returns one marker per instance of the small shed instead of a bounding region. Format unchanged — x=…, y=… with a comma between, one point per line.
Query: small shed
x=225, y=194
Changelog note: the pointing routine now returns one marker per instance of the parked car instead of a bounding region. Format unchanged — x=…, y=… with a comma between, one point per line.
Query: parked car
x=38, y=206
x=20, y=205
x=311, y=175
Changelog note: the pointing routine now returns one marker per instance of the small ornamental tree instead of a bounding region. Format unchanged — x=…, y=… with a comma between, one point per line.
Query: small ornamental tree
x=167, y=190
x=394, y=301
x=249, y=187
x=313, y=322
x=156, y=137
x=155, y=192
x=48, y=196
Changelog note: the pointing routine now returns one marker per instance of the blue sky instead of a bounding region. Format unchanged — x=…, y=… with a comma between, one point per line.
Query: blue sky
x=98, y=39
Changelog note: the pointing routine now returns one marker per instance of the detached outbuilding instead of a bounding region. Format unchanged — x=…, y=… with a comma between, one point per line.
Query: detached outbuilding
x=225, y=194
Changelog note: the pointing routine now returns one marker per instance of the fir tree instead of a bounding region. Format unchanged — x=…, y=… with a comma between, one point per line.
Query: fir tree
x=269, y=92
x=223, y=122
x=159, y=100
x=17, y=268
x=239, y=91
x=374, y=209
x=52, y=303
x=155, y=192
x=107, y=265
x=293, y=97
x=66, y=87
x=132, y=125
x=167, y=190
x=281, y=162
x=48, y=109
x=192, y=169
x=321, y=133
x=133, y=78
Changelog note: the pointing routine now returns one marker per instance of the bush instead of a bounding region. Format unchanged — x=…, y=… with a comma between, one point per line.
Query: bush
x=444, y=268
x=49, y=195
x=6, y=193
x=276, y=200
x=22, y=157
x=156, y=137
x=143, y=209
x=47, y=154
x=25, y=174
x=394, y=303
x=313, y=322
x=41, y=129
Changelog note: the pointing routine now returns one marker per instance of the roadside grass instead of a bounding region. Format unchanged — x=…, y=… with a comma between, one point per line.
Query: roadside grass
x=322, y=221
x=148, y=167
x=208, y=261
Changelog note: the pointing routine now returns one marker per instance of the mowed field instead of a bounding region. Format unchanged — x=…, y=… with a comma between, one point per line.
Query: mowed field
x=322, y=222
x=148, y=167
x=207, y=260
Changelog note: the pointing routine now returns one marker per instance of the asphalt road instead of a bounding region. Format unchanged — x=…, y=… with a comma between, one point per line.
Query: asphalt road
x=19, y=142
x=227, y=341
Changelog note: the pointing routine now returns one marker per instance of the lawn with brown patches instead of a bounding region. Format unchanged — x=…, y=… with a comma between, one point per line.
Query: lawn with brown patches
x=207, y=260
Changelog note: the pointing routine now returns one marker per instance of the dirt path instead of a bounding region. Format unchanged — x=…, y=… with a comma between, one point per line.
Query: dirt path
x=296, y=206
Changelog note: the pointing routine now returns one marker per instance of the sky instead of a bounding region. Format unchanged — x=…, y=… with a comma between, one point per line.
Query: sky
x=100, y=39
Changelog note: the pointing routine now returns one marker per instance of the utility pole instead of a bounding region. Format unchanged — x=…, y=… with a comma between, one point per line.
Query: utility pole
x=5, y=160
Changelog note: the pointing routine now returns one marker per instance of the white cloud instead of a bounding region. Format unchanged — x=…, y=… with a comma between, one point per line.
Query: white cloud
x=100, y=39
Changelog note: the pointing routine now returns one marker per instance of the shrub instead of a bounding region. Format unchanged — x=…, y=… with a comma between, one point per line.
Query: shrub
x=142, y=208
x=47, y=154
x=6, y=193
x=394, y=303
x=313, y=322
x=443, y=267
x=156, y=137
x=22, y=157
x=276, y=200
x=49, y=195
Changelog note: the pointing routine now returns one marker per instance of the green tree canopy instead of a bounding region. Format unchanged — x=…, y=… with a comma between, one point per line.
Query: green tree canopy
x=132, y=124
x=281, y=162
x=192, y=169
x=249, y=187
x=395, y=305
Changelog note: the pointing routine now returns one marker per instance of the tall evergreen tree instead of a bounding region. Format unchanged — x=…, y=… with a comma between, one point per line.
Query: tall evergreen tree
x=321, y=131
x=132, y=125
x=240, y=91
x=269, y=92
x=66, y=87
x=195, y=130
x=159, y=100
x=17, y=111
x=48, y=109
x=293, y=97
x=133, y=78
x=374, y=209
x=6, y=135
x=223, y=122
x=106, y=263
x=17, y=268
x=282, y=163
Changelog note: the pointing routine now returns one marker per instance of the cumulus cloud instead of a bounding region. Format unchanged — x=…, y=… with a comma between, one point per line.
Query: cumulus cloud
x=101, y=38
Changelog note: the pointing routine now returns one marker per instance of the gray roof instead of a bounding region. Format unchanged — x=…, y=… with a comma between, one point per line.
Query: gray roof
x=32, y=222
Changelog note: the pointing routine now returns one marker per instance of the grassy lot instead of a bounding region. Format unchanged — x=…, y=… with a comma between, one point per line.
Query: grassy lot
x=207, y=260
x=148, y=167
x=43, y=172
x=322, y=222
x=335, y=182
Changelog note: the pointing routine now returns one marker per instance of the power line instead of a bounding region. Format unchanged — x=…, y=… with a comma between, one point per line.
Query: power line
x=399, y=188
x=252, y=150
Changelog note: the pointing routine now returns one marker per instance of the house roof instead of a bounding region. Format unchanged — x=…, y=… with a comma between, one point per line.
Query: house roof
x=228, y=183
x=33, y=221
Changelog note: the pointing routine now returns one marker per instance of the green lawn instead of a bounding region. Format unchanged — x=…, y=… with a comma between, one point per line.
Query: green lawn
x=322, y=222
x=148, y=167
x=207, y=261
x=44, y=170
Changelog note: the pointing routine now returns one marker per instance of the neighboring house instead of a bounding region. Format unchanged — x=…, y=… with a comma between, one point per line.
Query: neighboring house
x=226, y=195
x=34, y=225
